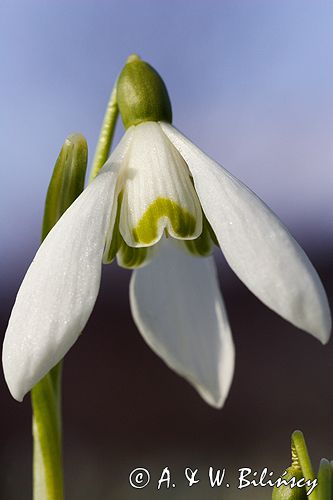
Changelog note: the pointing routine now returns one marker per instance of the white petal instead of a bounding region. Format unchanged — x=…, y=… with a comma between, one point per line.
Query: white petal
x=60, y=287
x=158, y=192
x=256, y=244
x=178, y=308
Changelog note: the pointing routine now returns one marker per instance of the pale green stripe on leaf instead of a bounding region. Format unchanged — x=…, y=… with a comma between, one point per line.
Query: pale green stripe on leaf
x=182, y=221
x=106, y=134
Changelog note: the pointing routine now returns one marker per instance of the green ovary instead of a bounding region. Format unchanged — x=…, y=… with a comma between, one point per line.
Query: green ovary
x=183, y=223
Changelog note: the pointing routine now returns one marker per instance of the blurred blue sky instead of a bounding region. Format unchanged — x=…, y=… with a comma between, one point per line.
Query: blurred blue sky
x=251, y=82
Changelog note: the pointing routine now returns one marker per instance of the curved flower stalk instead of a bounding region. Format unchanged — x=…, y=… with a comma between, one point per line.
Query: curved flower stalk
x=159, y=205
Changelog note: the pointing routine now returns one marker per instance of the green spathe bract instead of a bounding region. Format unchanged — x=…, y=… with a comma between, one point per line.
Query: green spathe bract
x=67, y=181
x=141, y=94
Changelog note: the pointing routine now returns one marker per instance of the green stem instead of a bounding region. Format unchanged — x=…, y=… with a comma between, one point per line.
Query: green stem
x=106, y=134
x=300, y=453
x=46, y=429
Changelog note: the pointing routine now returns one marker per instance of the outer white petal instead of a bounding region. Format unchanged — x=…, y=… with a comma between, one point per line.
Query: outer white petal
x=178, y=308
x=157, y=191
x=60, y=287
x=256, y=244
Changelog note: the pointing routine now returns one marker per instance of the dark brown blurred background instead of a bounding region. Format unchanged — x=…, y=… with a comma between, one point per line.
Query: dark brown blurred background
x=123, y=408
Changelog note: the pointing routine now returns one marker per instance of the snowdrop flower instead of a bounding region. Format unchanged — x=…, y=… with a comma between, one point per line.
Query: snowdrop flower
x=159, y=205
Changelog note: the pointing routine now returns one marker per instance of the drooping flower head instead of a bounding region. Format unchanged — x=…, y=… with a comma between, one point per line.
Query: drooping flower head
x=159, y=205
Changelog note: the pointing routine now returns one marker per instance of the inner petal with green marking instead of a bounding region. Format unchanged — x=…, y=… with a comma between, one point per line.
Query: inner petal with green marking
x=156, y=197
x=127, y=256
x=158, y=194
x=179, y=221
